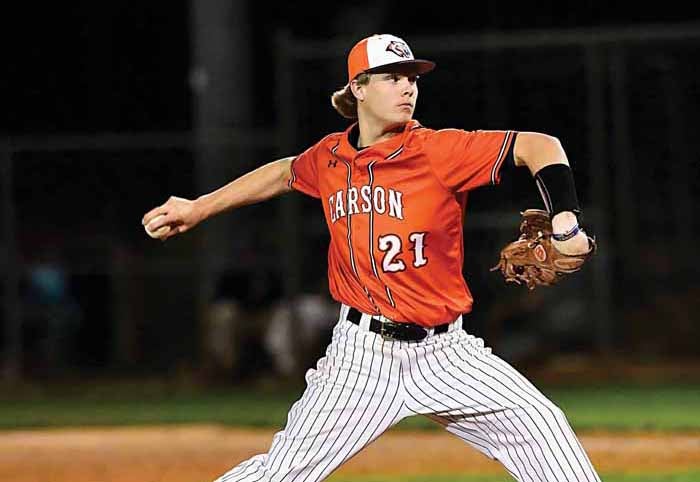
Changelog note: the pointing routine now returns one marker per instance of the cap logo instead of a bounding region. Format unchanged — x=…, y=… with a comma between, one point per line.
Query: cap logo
x=400, y=49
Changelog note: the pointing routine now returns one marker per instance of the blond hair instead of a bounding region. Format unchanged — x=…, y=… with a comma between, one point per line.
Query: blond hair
x=344, y=100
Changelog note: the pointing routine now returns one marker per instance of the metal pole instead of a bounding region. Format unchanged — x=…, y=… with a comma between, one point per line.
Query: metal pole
x=12, y=360
x=602, y=310
x=221, y=78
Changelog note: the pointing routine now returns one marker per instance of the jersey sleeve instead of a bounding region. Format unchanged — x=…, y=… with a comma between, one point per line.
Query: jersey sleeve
x=305, y=171
x=465, y=160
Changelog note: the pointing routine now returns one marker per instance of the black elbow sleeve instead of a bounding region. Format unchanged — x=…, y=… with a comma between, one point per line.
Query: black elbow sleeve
x=556, y=185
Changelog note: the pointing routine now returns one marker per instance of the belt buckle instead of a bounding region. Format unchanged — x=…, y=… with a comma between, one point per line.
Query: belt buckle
x=386, y=329
x=390, y=330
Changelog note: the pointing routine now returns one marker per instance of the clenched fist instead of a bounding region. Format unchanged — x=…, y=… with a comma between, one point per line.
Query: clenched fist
x=176, y=216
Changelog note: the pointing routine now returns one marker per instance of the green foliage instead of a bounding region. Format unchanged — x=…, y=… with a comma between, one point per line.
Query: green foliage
x=604, y=407
x=631, y=407
x=241, y=409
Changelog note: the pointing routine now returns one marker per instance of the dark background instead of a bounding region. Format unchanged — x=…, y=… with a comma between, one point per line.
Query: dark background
x=124, y=66
x=101, y=113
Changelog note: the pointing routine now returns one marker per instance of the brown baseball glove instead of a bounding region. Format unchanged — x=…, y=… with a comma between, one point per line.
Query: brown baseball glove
x=532, y=260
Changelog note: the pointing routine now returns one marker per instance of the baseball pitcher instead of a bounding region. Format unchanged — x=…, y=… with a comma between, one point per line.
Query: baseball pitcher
x=393, y=193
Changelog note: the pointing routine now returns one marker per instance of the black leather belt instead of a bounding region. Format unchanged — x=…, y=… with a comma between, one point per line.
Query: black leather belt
x=394, y=330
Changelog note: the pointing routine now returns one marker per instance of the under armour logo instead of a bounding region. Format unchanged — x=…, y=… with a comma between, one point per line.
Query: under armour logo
x=399, y=48
x=332, y=162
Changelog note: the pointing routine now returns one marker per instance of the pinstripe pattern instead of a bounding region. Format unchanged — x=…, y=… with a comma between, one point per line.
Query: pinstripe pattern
x=494, y=420
x=365, y=384
x=386, y=287
x=349, y=220
x=373, y=263
x=495, y=365
x=440, y=400
x=388, y=295
x=462, y=381
x=352, y=397
x=370, y=170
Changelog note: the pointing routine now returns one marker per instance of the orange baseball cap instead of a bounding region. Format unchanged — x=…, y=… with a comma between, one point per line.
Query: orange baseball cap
x=379, y=52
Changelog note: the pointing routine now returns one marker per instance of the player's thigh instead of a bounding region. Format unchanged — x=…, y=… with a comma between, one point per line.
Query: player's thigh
x=457, y=375
x=351, y=398
x=487, y=403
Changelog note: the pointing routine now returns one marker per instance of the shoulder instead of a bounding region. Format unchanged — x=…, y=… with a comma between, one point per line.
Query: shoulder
x=438, y=138
x=332, y=139
x=451, y=133
x=420, y=134
x=464, y=137
x=327, y=143
x=426, y=134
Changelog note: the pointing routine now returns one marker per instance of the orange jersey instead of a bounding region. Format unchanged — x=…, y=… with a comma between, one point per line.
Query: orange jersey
x=394, y=211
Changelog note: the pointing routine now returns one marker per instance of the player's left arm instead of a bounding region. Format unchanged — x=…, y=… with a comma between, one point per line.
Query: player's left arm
x=536, y=151
x=546, y=159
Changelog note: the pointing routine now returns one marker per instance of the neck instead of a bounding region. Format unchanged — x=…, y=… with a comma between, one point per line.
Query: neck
x=373, y=132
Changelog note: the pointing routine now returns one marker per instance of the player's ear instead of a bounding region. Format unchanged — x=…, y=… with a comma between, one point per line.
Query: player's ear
x=357, y=90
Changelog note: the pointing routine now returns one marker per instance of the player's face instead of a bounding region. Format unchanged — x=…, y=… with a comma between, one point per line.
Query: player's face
x=391, y=98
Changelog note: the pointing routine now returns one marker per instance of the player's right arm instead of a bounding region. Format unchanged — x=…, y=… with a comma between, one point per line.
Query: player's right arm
x=182, y=214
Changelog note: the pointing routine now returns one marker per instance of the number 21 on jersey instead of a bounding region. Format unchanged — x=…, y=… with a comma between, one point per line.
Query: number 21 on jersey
x=391, y=245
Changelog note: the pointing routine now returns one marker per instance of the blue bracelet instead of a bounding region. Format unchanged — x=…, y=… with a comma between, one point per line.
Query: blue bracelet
x=567, y=235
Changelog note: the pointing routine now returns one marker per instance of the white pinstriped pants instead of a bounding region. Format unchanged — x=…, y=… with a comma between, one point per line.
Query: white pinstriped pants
x=366, y=384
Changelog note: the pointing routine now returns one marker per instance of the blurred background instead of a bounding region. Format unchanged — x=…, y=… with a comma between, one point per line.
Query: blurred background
x=110, y=107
